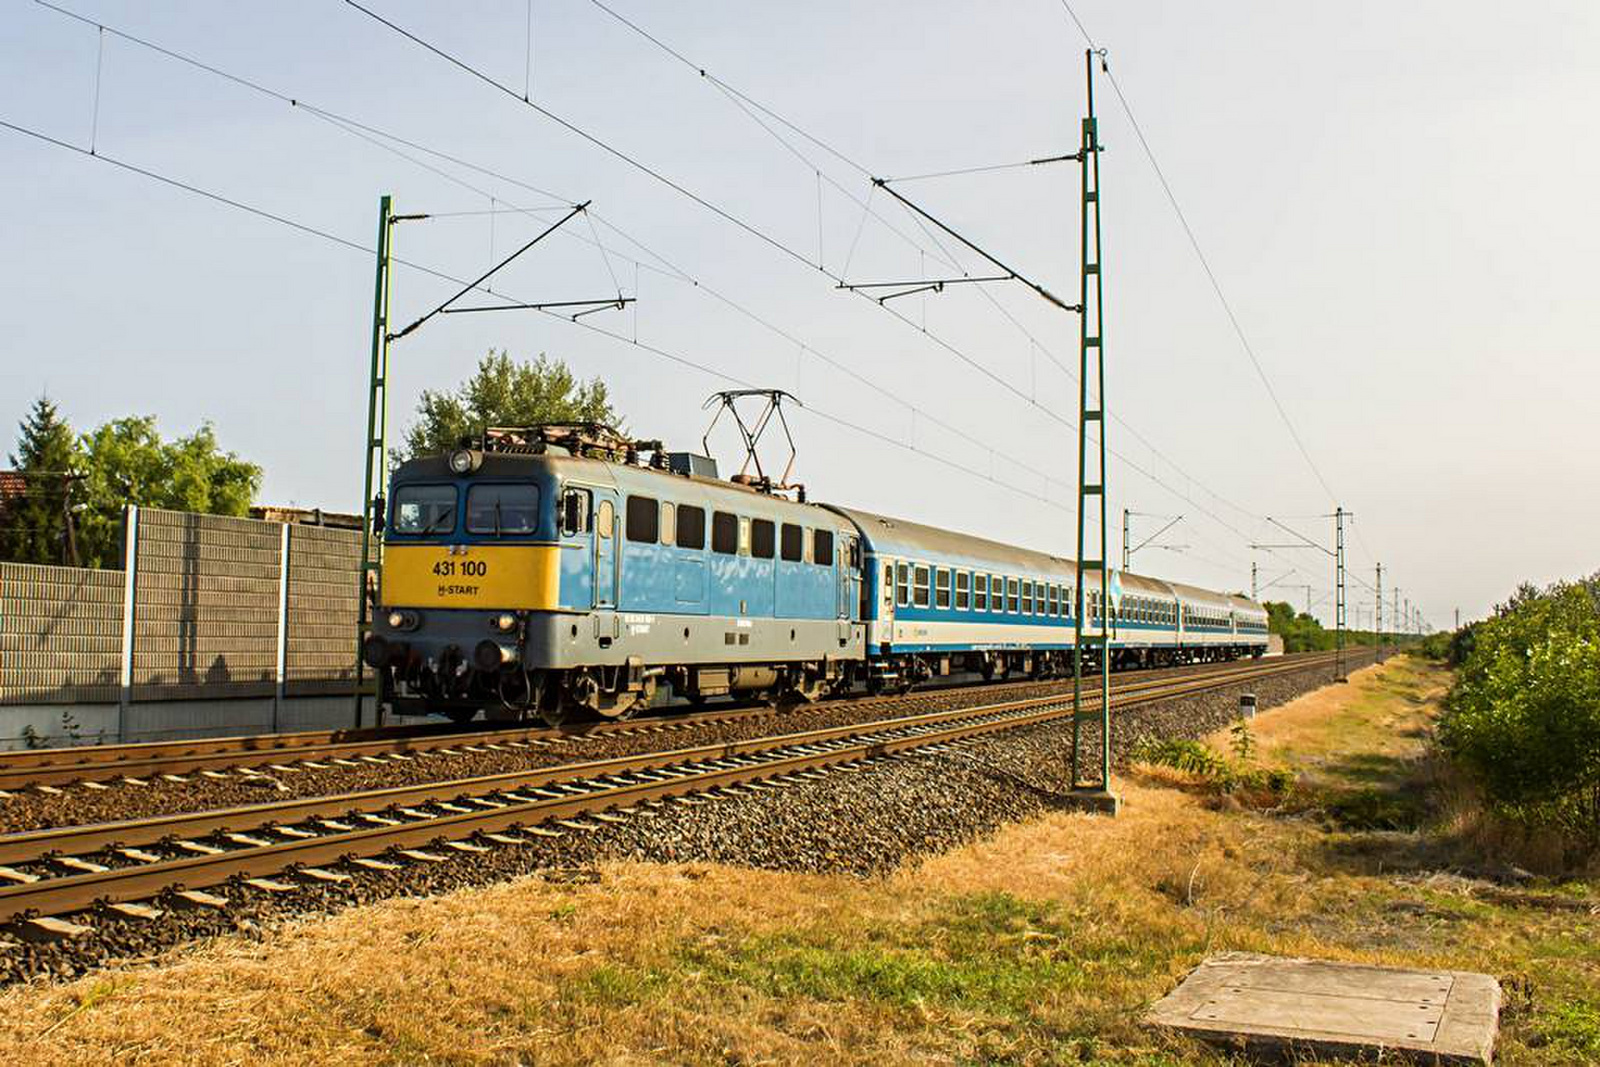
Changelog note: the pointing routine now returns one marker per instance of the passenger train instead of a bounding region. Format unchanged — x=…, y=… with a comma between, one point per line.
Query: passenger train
x=555, y=572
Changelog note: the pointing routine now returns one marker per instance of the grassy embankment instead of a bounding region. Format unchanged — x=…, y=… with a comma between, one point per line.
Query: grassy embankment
x=1042, y=944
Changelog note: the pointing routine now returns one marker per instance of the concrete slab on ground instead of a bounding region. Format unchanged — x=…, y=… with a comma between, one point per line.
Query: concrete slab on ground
x=1273, y=1004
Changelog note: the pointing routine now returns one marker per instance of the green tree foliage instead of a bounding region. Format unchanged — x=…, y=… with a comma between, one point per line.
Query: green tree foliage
x=506, y=392
x=1524, y=716
x=33, y=529
x=1303, y=633
x=126, y=462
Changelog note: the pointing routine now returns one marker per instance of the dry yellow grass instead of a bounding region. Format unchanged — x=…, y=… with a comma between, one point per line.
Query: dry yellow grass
x=1041, y=944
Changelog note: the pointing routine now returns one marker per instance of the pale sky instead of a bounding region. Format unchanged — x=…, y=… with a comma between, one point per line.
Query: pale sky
x=1395, y=198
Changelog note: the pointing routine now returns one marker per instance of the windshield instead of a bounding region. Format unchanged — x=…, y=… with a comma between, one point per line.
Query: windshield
x=424, y=509
x=502, y=509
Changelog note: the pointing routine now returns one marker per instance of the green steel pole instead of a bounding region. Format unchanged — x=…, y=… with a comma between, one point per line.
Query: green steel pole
x=377, y=462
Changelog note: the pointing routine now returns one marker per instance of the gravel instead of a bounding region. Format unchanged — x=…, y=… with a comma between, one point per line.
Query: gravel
x=79, y=805
x=865, y=821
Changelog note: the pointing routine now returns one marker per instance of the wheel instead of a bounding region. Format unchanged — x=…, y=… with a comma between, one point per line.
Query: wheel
x=461, y=716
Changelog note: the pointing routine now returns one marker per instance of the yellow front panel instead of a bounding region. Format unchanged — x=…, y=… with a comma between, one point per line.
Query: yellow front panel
x=472, y=576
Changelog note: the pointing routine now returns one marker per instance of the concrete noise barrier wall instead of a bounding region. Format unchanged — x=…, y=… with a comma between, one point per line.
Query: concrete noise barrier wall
x=220, y=608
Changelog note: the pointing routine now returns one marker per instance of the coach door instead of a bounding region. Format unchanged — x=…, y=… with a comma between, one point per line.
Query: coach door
x=605, y=548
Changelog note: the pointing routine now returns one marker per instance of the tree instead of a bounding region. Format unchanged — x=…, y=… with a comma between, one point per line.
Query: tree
x=34, y=527
x=1524, y=715
x=506, y=392
x=126, y=462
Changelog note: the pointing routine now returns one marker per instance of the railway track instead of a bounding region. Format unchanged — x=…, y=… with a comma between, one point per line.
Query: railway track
x=111, y=866
x=145, y=762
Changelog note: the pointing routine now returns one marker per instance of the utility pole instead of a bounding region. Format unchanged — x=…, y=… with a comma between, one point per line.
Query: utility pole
x=1337, y=552
x=1339, y=600
x=1091, y=350
x=377, y=458
x=1255, y=593
x=1410, y=618
x=1126, y=554
x=1377, y=616
x=1458, y=618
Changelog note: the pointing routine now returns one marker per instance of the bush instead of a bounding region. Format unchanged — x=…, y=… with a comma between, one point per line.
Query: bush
x=1523, y=719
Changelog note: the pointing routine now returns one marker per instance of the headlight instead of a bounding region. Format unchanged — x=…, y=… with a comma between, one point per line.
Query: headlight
x=504, y=622
x=403, y=620
x=463, y=461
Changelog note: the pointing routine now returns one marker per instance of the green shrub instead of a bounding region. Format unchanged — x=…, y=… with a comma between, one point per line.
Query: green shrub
x=1523, y=719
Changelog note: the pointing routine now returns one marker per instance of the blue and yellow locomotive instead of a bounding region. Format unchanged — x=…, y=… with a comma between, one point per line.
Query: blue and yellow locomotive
x=558, y=572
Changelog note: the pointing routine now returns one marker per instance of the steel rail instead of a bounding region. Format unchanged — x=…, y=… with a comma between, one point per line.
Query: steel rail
x=31, y=845
x=55, y=896
x=144, y=760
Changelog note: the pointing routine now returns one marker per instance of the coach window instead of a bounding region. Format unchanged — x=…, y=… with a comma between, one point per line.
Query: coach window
x=691, y=526
x=1013, y=600
x=919, y=591
x=941, y=588
x=822, y=547
x=763, y=535
x=963, y=590
x=980, y=592
x=902, y=585
x=724, y=533
x=792, y=542
x=1051, y=593
x=425, y=509
x=644, y=520
x=1027, y=598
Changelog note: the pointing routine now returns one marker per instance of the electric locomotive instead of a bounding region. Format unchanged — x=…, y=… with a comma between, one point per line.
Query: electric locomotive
x=566, y=570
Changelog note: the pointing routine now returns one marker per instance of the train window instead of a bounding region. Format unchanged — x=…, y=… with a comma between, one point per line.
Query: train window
x=793, y=542
x=691, y=526
x=643, y=520
x=502, y=509
x=1012, y=599
x=980, y=593
x=425, y=509
x=822, y=547
x=763, y=537
x=941, y=588
x=1051, y=594
x=919, y=586
x=963, y=590
x=1027, y=598
x=744, y=536
x=669, y=523
x=605, y=519
x=902, y=585
x=575, y=511
x=724, y=533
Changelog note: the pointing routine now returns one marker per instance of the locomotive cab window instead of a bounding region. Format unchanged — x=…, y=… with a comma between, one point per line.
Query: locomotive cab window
x=502, y=509
x=643, y=520
x=763, y=535
x=724, y=533
x=822, y=547
x=793, y=540
x=691, y=526
x=425, y=509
